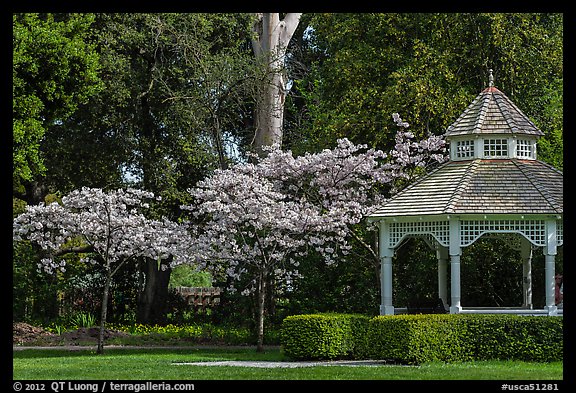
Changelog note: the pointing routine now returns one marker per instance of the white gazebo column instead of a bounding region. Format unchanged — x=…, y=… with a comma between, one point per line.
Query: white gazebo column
x=526, y=254
x=455, y=250
x=386, y=253
x=442, y=256
x=550, y=268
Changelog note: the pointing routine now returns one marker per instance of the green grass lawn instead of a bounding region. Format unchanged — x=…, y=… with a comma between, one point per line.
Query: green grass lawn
x=159, y=364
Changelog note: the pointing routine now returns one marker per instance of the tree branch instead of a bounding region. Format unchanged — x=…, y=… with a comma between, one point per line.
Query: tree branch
x=75, y=250
x=366, y=246
x=257, y=34
x=291, y=21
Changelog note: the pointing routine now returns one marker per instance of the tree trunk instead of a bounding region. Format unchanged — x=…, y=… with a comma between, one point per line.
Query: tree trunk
x=273, y=36
x=260, y=312
x=154, y=294
x=104, y=310
x=34, y=192
x=217, y=136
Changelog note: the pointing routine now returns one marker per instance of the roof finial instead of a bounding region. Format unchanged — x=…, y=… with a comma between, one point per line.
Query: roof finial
x=490, y=79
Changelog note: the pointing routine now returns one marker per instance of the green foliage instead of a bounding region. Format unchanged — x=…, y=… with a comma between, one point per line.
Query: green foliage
x=528, y=338
x=323, y=336
x=414, y=273
x=187, y=276
x=166, y=81
x=427, y=67
x=416, y=339
x=349, y=286
x=198, y=333
x=71, y=322
x=24, y=276
x=54, y=69
x=35, y=294
x=176, y=88
x=83, y=320
x=550, y=147
x=492, y=274
x=42, y=297
x=18, y=207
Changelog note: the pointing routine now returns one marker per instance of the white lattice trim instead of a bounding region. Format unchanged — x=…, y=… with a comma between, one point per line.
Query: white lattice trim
x=438, y=229
x=533, y=230
x=560, y=232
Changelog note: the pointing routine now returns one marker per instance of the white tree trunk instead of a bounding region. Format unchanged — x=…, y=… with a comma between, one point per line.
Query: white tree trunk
x=269, y=44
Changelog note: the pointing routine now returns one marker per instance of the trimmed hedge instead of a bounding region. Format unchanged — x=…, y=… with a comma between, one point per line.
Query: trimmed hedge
x=515, y=337
x=414, y=339
x=323, y=336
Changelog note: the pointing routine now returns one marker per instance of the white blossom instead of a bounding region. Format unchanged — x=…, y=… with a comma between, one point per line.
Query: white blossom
x=262, y=216
x=111, y=223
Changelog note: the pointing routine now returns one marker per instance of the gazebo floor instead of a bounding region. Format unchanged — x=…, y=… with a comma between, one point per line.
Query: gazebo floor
x=508, y=310
x=494, y=310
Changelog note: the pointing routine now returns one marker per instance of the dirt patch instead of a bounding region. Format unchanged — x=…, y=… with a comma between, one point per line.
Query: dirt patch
x=26, y=334
x=23, y=333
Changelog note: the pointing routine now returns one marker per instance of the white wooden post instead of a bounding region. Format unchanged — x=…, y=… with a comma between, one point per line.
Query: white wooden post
x=442, y=255
x=526, y=253
x=386, y=253
x=549, y=256
x=455, y=251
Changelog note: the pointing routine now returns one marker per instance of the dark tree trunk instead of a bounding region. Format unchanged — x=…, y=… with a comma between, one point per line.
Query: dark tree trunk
x=153, y=295
x=33, y=193
x=260, y=308
x=104, y=310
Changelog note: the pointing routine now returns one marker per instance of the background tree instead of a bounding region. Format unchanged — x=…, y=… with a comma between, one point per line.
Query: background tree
x=172, y=103
x=215, y=86
x=427, y=67
x=270, y=42
x=54, y=70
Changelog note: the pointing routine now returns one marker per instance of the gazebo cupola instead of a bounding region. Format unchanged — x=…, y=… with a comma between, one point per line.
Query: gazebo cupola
x=492, y=127
x=493, y=185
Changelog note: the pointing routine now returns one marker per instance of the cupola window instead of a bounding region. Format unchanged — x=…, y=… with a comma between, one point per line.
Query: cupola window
x=495, y=147
x=465, y=149
x=525, y=149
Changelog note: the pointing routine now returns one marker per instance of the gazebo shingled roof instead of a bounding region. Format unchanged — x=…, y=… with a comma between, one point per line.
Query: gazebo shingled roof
x=493, y=184
x=477, y=187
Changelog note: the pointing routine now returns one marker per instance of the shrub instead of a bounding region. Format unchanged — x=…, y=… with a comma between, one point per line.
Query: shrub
x=414, y=339
x=528, y=338
x=323, y=336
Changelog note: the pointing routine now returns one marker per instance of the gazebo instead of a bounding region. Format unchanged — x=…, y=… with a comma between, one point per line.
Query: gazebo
x=492, y=185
